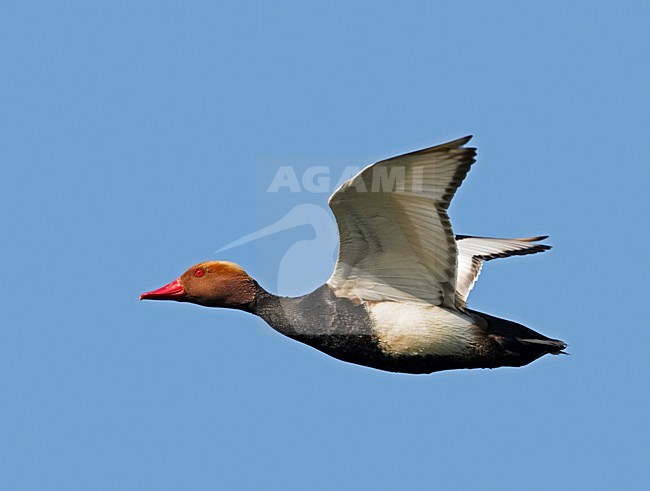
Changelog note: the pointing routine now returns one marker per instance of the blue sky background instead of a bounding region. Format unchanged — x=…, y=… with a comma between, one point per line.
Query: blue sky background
x=132, y=134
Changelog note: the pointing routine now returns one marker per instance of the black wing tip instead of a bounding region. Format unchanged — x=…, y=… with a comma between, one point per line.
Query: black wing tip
x=536, y=238
x=521, y=252
x=532, y=249
x=457, y=144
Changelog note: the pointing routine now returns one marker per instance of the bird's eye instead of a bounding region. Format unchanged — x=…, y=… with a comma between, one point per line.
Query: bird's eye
x=199, y=272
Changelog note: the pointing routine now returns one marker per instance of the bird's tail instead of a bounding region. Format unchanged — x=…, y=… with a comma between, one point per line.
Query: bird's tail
x=553, y=346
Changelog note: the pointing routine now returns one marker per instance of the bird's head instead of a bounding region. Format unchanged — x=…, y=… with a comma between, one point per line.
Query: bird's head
x=212, y=284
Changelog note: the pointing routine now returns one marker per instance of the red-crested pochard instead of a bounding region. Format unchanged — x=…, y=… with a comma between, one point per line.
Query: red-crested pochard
x=396, y=300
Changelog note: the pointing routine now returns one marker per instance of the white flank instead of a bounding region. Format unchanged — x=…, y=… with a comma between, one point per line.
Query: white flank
x=412, y=329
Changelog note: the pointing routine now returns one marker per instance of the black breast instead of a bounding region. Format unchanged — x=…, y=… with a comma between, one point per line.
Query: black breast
x=331, y=324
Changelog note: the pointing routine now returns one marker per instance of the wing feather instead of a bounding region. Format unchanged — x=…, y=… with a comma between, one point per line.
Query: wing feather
x=396, y=240
x=472, y=251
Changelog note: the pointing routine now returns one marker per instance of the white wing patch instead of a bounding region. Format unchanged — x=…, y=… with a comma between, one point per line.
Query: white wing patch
x=396, y=241
x=472, y=251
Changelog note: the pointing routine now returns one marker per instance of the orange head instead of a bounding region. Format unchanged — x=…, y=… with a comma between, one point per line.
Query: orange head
x=212, y=284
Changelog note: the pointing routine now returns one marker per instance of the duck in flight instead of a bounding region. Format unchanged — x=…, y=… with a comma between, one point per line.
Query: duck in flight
x=397, y=299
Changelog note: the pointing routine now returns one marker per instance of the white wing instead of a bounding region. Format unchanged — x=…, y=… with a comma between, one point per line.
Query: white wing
x=472, y=251
x=396, y=242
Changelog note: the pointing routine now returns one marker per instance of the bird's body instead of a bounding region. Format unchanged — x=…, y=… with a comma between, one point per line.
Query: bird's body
x=396, y=300
x=401, y=337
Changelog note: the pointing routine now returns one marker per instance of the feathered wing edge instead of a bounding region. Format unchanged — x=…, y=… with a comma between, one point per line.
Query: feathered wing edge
x=472, y=251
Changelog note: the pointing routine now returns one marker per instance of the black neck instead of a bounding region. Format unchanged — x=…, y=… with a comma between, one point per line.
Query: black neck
x=275, y=310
